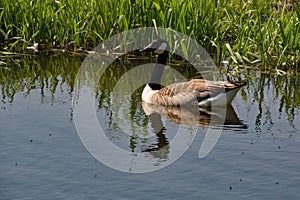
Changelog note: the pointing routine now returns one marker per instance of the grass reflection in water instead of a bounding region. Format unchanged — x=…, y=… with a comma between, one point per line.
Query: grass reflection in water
x=56, y=73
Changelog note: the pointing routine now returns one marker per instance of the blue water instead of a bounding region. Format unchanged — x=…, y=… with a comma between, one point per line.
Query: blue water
x=42, y=156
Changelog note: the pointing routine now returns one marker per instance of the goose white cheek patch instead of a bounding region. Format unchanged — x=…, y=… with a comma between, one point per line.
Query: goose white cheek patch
x=161, y=48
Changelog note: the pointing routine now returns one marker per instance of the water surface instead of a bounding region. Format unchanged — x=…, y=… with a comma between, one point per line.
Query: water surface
x=42, y=156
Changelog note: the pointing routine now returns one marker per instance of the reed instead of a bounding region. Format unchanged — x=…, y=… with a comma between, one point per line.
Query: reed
x=259, y=33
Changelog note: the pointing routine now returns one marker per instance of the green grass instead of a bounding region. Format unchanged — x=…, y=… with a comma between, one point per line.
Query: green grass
x=261, y=33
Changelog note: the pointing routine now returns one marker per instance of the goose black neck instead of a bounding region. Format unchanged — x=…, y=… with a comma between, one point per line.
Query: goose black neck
x=155, y=81
x=162, y=58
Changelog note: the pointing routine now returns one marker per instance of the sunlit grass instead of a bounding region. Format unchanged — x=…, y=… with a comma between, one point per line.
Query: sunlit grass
x=259, y=33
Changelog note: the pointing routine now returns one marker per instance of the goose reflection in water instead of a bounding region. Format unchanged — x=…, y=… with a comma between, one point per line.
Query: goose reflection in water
x=190, y=116
x=195, y=116
x=161, y=150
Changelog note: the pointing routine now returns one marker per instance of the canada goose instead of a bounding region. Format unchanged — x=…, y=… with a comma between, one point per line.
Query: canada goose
x=196, y=91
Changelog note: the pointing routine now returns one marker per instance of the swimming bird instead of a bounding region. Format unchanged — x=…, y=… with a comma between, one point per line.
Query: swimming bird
x=201, y=92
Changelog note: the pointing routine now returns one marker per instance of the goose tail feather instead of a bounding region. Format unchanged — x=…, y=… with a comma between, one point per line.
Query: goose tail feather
x=223, y=98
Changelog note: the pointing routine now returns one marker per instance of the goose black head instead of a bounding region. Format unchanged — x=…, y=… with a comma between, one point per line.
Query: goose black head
x=158, y=46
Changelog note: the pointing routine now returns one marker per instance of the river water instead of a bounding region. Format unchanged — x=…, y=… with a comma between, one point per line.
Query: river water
x=250, y=152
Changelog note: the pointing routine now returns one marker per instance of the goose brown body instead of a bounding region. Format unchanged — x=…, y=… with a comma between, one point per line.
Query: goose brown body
x=195, y=91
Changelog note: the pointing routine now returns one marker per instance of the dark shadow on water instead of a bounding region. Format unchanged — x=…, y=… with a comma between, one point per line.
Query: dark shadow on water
x=54, y=74
x=48, y=73
x=268, y=92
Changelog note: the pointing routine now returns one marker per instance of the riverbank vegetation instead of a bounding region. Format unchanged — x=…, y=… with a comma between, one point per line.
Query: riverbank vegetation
x=260, y=33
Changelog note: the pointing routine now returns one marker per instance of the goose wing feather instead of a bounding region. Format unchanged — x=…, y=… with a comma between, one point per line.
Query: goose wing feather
x=192, y=91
